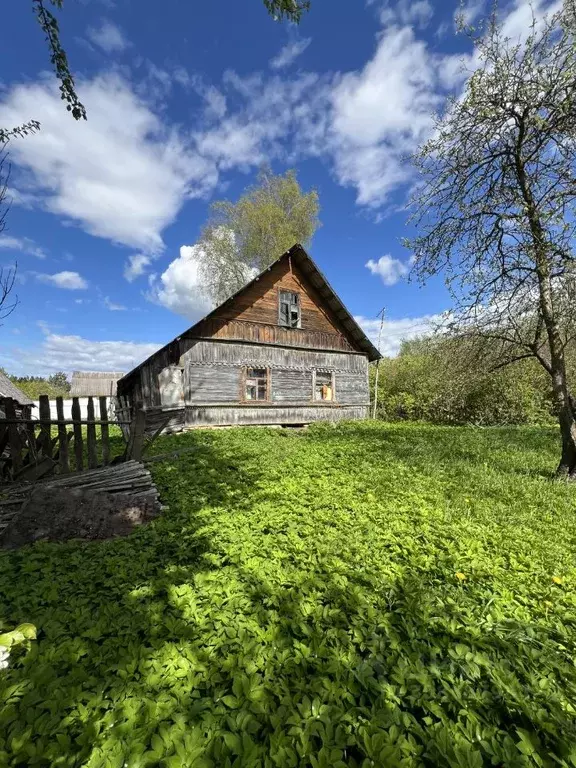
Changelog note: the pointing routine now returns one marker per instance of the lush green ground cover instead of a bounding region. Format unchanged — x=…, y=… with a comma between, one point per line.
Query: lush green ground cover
x=357, y=596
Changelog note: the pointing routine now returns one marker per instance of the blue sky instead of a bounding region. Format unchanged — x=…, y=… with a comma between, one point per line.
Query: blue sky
x=185, y=101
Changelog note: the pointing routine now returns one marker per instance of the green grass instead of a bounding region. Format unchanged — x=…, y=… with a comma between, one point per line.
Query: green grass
x=366, y=595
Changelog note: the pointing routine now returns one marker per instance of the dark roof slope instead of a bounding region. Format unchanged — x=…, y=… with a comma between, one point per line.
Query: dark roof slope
x=94, y=383
x=7, y=389
x=322, y=286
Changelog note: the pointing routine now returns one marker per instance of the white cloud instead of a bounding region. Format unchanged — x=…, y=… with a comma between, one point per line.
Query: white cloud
x=136, y=175
x=22, y=244
x=109, y=37
x=136, y=266
x=289, y=53
x=394, y=332
x=390, y=270
x=416, y=12
x=178, y=288
x=74, y=353
x=71, y=281
x=383, y=112
x=109, y=304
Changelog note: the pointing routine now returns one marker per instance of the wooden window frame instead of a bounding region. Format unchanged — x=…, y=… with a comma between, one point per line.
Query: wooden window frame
x=333, y=375
x=280, y=323
x=243, y=379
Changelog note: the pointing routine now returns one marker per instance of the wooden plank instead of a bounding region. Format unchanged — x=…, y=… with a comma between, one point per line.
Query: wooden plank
x=62, y=437
x=13, y=436
x=105, y=431
x=76, y=413
x=137, y=430
x=91, y=436
x=32, y=473
x=45, y=431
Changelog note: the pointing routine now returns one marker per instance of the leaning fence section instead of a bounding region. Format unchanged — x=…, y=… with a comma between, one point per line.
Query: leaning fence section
x=31, y=448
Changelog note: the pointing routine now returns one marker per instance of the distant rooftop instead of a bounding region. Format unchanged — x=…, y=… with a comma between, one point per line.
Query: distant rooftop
x=7, y=389
x=94, y=383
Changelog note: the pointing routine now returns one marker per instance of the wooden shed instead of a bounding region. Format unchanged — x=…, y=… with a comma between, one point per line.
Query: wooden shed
x=94, y=383
x=283, y=350
x=22, y=403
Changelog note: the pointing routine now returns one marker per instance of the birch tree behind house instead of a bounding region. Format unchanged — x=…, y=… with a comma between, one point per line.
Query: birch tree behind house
x=495, y=209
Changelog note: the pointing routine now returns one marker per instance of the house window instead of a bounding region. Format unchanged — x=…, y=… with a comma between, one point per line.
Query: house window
x=289, y=309
x=324, y=386
x=256, y=387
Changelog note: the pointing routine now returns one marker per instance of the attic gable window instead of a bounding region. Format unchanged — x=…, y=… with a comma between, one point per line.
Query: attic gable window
x=289, y=309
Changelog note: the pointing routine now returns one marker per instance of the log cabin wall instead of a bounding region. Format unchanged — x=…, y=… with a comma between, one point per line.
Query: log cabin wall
x=199, y=378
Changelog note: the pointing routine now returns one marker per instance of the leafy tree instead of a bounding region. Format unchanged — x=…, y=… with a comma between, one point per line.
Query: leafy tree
x=59, y=380
x=496, y=207
x=440, y=379
x=243, y=238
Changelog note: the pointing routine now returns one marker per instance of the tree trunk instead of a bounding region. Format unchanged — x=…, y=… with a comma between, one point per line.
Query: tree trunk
x=563, y=399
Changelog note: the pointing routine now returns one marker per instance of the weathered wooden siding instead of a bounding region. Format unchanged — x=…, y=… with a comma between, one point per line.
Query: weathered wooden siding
x=259, y=304
x=351, y=388
x=263, y=333
x=212, y=383
x=291, y=385
x=226, y=353
x=197, y=416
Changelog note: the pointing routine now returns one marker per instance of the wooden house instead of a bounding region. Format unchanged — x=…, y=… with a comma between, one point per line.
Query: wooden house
x=283, y=350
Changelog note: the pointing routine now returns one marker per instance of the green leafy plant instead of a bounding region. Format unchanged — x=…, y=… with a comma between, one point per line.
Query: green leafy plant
x=350, y=596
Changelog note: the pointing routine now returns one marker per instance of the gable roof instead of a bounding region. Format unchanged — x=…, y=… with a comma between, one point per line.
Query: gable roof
x=299, y=256
x=7, y=389
x=94, y=383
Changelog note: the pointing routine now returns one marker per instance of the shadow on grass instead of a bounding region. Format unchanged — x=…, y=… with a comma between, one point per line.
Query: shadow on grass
x=165, y=649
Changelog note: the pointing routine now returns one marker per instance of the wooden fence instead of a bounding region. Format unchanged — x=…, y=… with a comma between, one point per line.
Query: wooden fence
x=31, y=448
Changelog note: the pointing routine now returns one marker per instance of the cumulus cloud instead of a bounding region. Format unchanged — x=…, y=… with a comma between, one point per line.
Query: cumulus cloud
x=389, y=269
x=71, y=281
x=136, y=266
x=178, y=288
x=108, y=37
x=383, y=112
x=136, y=176
x=394, y=332
x=74, y=353
x=22, y=244
x=289, y=53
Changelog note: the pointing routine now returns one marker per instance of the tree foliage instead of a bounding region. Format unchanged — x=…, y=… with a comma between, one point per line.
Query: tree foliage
x=56, y=385
x=243, y=238
x=445, y=381
x=496, y=207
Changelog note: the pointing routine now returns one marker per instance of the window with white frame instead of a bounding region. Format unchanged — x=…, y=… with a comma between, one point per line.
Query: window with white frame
x=324, y=386
x=289, y=314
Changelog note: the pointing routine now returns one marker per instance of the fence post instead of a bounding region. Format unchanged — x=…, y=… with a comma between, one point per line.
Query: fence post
x=91, y=436
x=105, y=432
x=62, y=437
x=45, y=432
x=13, y=436
x=76, y=417
x=137, y=429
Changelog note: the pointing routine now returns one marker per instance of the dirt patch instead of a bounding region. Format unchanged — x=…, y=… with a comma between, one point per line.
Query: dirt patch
x=53, y=514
